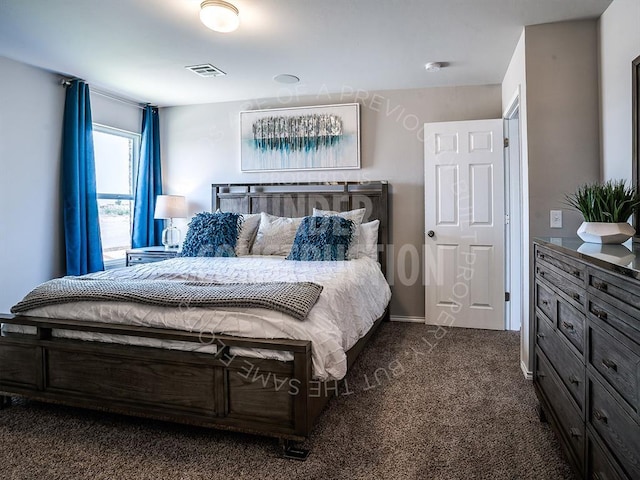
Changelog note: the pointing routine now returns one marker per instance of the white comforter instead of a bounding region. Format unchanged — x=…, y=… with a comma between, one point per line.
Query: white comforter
x=355, y=294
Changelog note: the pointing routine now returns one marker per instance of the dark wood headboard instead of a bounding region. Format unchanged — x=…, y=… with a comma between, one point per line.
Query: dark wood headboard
x=299, y=200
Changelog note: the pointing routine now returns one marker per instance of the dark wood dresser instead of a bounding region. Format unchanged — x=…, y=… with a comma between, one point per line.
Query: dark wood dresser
x=587, y=353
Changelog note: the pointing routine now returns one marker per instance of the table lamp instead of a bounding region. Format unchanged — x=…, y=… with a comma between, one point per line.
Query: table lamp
x=169, y=207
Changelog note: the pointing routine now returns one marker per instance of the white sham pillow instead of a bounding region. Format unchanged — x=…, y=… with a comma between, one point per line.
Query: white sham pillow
x=247, y=233
x=275, y=235
x=356, y=216
x=367, y=245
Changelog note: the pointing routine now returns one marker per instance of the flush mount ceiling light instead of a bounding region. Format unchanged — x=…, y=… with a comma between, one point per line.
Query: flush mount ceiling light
x=219, y=16
x=433, y=66
x=286, y=78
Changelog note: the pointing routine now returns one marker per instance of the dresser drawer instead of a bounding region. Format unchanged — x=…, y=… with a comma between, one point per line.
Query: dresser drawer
x=546, y=301
x=599, y=465
x=568, y=367
x=137, y=259
x=625, y=291
x=618, y=430
x=573, y=293
x=567, y=419
x=622, y=316
x=618, y=364
x=571, y=324
x=570, y=268
x=621, y=321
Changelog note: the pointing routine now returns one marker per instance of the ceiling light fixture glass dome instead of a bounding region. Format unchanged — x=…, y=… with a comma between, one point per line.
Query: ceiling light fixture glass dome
x=219, y=16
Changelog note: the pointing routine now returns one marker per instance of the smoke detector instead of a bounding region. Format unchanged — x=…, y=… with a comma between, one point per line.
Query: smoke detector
x=433, y=66
x=286, y=78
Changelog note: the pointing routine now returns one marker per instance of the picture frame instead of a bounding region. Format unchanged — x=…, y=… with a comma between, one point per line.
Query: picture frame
x=322, y=137
x=635, y=128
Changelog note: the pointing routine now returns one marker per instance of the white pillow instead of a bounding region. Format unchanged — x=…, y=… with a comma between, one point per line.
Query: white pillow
x=367, y=245
x=355, y=216
x=275, y=235
x=247, y=233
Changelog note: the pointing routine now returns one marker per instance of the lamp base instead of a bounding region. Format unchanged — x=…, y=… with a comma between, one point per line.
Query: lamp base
x=171, y=237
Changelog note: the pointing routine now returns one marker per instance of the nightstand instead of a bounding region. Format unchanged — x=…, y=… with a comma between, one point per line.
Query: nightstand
x=136, y=256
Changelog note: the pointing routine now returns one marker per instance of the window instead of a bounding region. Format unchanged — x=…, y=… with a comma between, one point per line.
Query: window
x=116, y=155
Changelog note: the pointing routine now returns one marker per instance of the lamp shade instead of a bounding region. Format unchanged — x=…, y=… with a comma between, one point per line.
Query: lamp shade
x=170, y=206
x=219, y=15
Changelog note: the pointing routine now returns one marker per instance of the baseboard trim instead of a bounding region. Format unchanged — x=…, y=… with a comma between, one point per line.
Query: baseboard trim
x=403, y=318
x=527, y=374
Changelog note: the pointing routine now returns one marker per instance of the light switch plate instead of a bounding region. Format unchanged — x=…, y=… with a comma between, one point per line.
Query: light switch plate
x=555, y=218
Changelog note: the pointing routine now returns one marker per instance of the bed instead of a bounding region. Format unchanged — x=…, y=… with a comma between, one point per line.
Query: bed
x=269, y=386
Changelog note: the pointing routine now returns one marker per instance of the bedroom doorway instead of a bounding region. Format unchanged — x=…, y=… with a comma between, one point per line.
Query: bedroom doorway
x=513, y=210
x=465, y=224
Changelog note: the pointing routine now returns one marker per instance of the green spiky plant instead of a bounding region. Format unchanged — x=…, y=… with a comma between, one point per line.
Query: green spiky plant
x=609, y=202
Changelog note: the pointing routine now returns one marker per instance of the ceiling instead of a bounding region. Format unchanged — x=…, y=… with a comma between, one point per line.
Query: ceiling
x=138, y=49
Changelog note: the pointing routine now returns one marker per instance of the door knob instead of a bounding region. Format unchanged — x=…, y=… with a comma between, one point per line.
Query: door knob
x=431, y=233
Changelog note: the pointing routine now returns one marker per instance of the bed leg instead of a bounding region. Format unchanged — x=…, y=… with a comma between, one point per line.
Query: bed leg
x=290, y=451
x=5, y=401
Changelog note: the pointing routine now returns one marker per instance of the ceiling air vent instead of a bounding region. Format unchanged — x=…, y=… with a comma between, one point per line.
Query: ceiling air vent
x=206, y=70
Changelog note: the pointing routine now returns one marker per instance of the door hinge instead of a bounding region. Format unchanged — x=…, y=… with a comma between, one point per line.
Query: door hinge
x=506, y=219
x=506, y=142
x=507, y=296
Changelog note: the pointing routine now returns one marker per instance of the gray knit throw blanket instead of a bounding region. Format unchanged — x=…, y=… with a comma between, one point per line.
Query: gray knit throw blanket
x=295, y=299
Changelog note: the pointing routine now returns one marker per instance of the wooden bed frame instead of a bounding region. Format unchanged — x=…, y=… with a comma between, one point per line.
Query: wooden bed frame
x=266, y=397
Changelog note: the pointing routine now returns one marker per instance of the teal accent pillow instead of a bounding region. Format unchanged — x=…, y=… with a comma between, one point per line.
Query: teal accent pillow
x=322, y=239
x=212, y=235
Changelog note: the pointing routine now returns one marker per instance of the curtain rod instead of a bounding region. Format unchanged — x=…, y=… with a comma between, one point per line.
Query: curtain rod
x=65, y=82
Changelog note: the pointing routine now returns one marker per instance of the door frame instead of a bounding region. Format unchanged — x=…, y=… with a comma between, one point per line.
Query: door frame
x=520, y=286
x=513, y=211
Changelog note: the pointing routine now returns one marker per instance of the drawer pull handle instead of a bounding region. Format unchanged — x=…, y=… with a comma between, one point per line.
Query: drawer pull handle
x=599, y=313
x=600, y=416
x=545, y=302
x=541, y=375
x=601, y=286
x=540, y=335
x=542, y=274
x=574, y=379
x=567, y=325
x=575, y=296
x=576, y=273
x=575, y=432
x=611, y=365
x=541, y=255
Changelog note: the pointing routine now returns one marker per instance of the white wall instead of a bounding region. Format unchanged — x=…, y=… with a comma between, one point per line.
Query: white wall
x=619, y=44
x=115, y=113
x=556, y=68
x=562, y=119
x=31, y=245
x=31, y=231
x=200, y=146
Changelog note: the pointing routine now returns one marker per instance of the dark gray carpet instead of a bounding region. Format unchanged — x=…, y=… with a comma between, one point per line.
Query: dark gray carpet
x=455, y=407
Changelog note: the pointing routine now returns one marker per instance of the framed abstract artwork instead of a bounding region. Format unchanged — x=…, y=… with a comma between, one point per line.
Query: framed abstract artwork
x=300, y=138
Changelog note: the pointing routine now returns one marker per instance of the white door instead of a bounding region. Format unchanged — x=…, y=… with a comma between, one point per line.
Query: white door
x=464, y=224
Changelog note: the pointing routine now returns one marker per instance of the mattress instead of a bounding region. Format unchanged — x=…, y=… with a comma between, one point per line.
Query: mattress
x=355, y=294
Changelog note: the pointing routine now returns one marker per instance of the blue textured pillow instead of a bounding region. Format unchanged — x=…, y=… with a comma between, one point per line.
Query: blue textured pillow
x=212, y=235
x=322, y=238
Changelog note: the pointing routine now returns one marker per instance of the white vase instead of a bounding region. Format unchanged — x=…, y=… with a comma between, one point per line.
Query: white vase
x=609, y=233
